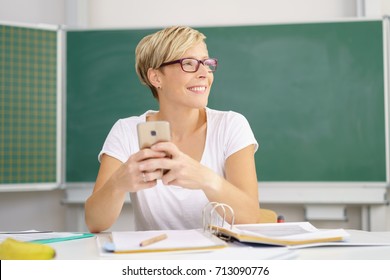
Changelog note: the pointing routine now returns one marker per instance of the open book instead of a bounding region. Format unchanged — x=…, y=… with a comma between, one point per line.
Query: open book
x=174, y=240
x=281, y=234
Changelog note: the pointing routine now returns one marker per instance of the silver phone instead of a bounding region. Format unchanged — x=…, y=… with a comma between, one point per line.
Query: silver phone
x=153, y=132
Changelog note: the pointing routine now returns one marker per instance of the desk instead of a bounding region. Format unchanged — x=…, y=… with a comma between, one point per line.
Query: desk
x=342, y=262
x=87, y=249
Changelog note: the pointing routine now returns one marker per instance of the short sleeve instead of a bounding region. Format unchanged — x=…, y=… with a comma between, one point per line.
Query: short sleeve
x=238, y=134
x=116, y=143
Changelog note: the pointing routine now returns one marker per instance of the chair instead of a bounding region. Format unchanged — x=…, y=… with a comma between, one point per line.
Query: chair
x=266, y=216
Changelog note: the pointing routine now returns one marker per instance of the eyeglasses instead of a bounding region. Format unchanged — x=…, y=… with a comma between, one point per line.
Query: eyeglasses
x=191, y=65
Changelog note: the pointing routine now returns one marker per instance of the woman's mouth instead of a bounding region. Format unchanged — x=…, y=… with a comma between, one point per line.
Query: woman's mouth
x=198, y=89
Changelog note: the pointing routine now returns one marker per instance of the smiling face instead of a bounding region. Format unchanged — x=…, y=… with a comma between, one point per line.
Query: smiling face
x=180, y=88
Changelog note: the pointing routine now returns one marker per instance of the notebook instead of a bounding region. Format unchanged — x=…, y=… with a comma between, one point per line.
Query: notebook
x=127, y=242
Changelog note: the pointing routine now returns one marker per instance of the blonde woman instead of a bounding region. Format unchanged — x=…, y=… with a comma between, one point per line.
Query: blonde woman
x=211, y=152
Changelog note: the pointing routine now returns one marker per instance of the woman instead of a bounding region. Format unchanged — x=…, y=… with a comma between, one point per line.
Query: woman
x=211, y=152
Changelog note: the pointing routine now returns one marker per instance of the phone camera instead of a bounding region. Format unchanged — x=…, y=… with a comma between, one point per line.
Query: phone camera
x=153, y=133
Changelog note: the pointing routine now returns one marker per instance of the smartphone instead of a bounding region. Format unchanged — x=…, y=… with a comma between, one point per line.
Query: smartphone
x=150, y=133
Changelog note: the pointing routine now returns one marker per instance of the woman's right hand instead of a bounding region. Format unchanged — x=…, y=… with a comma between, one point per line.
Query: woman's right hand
x=129, y=178
x=115, y=179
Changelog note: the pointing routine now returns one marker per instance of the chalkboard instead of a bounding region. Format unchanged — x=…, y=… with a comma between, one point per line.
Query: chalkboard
x=28, y=105
x=313, y=94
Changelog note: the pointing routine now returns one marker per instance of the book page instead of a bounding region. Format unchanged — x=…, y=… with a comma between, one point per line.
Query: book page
x=276, y=230
x=289, y=231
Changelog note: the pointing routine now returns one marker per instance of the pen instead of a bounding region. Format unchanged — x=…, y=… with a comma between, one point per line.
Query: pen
x=153, y=240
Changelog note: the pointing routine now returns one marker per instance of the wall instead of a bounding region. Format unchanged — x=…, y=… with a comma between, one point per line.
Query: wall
x=217, y=12
x=35, y=11
x=44, y=209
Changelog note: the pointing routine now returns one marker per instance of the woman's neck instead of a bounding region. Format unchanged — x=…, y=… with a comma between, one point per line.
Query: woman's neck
x=182, y=122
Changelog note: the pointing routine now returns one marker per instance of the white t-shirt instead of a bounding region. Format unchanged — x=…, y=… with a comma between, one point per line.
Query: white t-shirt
x=174, y=207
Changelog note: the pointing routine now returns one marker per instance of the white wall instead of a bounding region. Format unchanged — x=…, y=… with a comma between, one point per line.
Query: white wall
x=44, y=209
x=152, y=13
x=118, y=13
x=34, y=11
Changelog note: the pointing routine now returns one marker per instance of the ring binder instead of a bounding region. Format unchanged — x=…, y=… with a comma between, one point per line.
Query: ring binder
x=211, y=224
x=278, y=234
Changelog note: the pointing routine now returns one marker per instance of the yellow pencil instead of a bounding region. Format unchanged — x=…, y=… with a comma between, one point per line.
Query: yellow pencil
x=153, y=240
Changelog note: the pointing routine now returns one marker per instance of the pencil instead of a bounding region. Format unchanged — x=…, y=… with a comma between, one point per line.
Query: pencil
x=153, y=240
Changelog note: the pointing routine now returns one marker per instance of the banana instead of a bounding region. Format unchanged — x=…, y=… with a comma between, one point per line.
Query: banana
x=11, y=249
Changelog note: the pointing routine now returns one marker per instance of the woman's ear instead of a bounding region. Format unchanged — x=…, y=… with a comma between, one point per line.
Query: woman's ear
x=154, y=77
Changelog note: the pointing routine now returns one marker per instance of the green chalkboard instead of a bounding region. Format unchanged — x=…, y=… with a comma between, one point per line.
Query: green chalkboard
x=28, y=105
x=313, y=94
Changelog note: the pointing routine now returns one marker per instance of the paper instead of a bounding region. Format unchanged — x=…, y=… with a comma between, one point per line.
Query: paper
x=177, y=240
x=276, y=230
x=358, y=238
x=290, y=231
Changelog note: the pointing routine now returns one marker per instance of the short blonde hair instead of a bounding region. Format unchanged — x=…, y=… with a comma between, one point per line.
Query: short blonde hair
x=163, y=46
